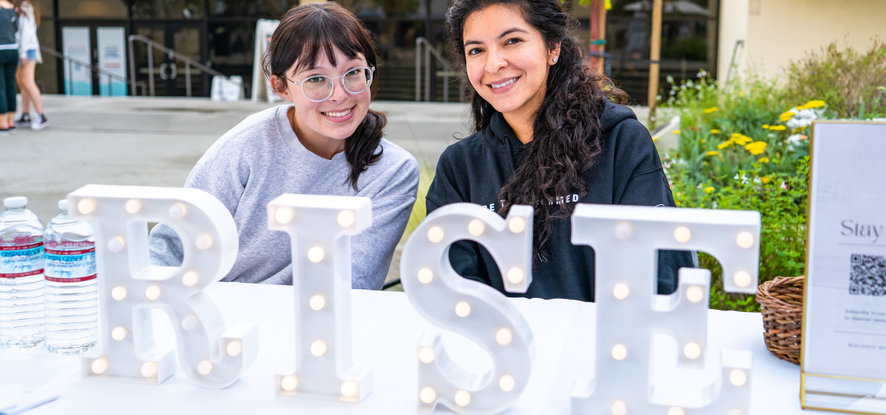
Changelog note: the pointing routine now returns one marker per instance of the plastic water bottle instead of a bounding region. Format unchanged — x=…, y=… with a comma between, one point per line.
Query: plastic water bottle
x=71, y=284
x=21, y=276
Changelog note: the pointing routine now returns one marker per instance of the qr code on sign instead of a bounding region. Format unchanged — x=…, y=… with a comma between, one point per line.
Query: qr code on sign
x=868, y=275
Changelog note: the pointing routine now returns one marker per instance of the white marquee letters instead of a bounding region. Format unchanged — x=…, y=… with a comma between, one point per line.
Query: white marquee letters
x=629, y=312
x=632, y=319
x=320, y=228
x=209, y=353
x=475, y=310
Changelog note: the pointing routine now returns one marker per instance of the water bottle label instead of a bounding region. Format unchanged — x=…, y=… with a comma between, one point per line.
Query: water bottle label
x=75, y=265
x=18, y=261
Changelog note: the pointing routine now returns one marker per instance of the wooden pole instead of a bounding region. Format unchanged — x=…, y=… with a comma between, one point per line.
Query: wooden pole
x=601, y=34
x=597, y=46
x=654, y=56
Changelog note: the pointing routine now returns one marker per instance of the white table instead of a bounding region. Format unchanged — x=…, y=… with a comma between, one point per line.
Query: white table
x=386, y=330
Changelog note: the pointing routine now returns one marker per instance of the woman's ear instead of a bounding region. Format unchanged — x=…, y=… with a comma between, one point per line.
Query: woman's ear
x=278, y=84
x=554, y=54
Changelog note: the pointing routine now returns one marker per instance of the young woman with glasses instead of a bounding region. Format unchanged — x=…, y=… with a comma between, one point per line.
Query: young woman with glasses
x=325, y=141
x=547, y=133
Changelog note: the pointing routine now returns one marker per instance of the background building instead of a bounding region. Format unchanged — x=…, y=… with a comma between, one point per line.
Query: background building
x=765, y=35
x=696, y=34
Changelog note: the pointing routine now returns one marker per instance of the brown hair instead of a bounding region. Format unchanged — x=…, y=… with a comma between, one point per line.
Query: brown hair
x=307, y=31
x=567, y=135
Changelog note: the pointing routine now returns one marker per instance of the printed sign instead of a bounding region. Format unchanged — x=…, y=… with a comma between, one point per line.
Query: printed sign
x=76, y=46
x=844, y=339
x=112, y=59
x=261, y=86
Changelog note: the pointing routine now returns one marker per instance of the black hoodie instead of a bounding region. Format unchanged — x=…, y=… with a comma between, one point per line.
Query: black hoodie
x=628, y=172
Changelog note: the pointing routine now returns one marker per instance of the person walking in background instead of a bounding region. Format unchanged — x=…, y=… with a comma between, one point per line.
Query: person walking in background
x=548, y=133
x=8, y=63
x=29, y=55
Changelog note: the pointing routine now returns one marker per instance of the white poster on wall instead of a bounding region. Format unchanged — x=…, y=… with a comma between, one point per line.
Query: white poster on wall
x=261, y=87
x=112, y=59
x=76, y=46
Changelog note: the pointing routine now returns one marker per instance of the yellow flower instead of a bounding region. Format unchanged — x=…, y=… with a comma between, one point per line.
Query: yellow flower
x=786, y=116
x=710, y=110
x=709, y=189
x=777, y=128
x=815, y=103
x=765, y=180
x=763, y=160
x=741, y=139
x=715, y=131
x=724, y=144
x=676, y=132
x=655, y=138
x=765, y=125
x=756, y=148
x=712, y=153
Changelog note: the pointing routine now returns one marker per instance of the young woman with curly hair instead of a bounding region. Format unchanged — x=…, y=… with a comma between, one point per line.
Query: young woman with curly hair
x=325, y=140
x=547, y=133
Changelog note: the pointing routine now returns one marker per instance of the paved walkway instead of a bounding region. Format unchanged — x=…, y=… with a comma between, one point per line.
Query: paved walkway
x=156, y=141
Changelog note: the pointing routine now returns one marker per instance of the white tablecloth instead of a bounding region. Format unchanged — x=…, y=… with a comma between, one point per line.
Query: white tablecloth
x=386, y=330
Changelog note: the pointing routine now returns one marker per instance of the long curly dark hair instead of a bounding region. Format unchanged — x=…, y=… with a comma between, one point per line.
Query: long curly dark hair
x=307, y=31
x=566, y=135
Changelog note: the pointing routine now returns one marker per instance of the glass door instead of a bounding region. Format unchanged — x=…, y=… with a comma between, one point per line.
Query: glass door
x=92, y=56
x=167, y=73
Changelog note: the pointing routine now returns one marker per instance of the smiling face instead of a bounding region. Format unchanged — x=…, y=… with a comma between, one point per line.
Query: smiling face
x=507, y=62
x=322, y=127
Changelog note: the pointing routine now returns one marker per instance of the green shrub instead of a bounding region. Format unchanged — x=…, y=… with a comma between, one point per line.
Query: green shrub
x=745, y=146
x=426, y=175
x=419, y=210
x=852, y=83
x=781, y=201
x=737, y=151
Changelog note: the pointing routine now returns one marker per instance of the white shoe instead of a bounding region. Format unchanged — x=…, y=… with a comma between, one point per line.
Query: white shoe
x=39, y=122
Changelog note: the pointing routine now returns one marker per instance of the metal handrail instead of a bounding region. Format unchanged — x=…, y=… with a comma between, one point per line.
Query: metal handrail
x=70, y=61
x=428, y=52
x=739, y=45
x=189, y=62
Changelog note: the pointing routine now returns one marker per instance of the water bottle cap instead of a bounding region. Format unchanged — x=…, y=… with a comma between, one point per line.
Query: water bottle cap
x=63, y=204
x=15, y=202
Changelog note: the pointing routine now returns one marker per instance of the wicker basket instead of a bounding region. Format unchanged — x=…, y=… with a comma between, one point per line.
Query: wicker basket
x=782, y=308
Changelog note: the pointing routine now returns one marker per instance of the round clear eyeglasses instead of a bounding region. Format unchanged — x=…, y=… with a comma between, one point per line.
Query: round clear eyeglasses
x=318, y=88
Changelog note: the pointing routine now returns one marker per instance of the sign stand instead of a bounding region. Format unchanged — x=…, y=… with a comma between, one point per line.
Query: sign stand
x=261, y=86
x=844, y=318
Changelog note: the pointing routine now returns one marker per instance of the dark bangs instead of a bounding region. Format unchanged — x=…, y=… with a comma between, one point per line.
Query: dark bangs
x=308, y=31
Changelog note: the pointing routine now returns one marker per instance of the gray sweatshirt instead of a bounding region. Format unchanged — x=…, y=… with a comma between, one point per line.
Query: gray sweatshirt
x=260, y=159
